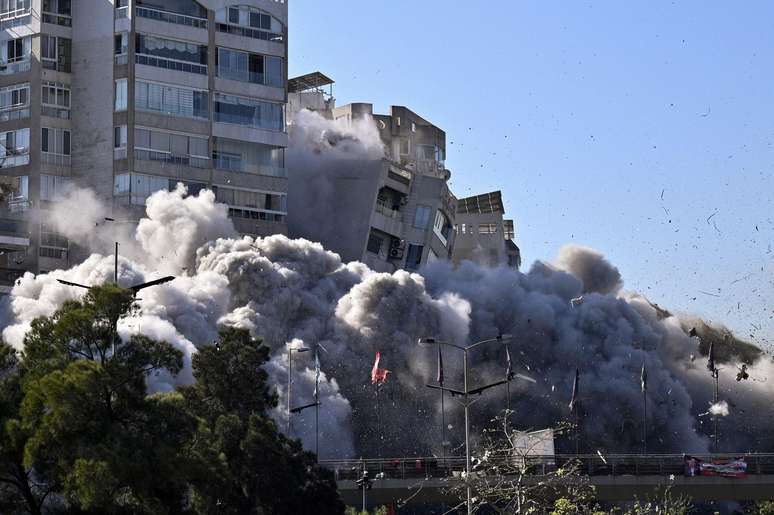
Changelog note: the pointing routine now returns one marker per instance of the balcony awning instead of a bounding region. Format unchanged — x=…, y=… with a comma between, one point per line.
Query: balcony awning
x=309, y=81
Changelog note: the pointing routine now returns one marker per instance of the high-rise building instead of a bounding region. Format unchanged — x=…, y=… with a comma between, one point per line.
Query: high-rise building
x=482, y=235
x=390, y=213
x=127, y=97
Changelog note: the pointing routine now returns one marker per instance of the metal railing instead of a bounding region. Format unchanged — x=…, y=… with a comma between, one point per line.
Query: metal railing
x=170, y=17
x=122, y=59
x=55, y=112
x=385, y=209
x=16, y=67
x=9, y=161
x=250, y=32
x=589, y=464
x=168, y=157
x=55, y=159
x=171, y=64
x=58, y=19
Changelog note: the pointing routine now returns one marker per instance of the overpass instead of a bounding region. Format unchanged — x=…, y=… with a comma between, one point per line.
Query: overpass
x=619, y=477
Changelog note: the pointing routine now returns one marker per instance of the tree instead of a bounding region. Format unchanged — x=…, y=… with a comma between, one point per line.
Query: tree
x=246, y=465
x=507, y=479
x=87, y=426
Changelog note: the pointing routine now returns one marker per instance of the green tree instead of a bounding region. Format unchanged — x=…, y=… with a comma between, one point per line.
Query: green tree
x=89, y=428
x=763, y=508
x=245, y=465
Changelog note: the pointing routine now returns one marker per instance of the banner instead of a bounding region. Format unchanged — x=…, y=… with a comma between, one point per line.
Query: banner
x=735, y=467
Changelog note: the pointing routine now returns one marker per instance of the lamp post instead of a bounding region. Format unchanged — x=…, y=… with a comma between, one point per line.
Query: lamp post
x=465, y=393
x=315, y=404
x=290, y=378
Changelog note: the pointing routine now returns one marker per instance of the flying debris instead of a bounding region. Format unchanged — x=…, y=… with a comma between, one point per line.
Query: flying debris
x=742, y=374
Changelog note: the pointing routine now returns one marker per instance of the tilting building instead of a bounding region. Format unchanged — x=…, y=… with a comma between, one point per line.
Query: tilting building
x=391, y=213
x=127, y=97
x=483, y=236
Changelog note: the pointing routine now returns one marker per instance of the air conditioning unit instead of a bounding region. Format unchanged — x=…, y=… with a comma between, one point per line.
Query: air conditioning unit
x=397, y=246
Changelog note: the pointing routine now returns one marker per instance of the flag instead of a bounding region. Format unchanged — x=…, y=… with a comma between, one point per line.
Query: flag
x=440, y=366
x=316, y=376
x=644, y=379
x=508, y=365
x=378, y=375
x=711, y=358
x=574, y=399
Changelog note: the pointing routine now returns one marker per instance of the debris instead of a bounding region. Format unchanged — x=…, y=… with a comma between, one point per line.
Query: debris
x=710, y=294
x=601, y=457
x=720, y=408
x=742, y=373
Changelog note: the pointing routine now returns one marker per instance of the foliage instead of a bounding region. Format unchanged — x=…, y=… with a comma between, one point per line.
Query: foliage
x=763, y=508
x=381, y=510
x=249, y=467
x=80, y=433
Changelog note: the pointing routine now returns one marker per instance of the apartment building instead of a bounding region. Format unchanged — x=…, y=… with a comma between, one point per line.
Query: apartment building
x=482, y=234
x=131, y=96
x=390, y=213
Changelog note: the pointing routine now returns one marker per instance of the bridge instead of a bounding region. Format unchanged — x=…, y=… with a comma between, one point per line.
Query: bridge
x=618, y=477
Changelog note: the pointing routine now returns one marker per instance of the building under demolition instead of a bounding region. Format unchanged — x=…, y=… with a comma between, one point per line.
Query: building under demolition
x=482, y=235
x=390, y=213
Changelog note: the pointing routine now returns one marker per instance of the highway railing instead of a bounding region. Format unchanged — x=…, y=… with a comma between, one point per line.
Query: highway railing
x=589, y=464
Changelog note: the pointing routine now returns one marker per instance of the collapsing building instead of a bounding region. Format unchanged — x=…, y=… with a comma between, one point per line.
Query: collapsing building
x=394, y=212
x=482, y=235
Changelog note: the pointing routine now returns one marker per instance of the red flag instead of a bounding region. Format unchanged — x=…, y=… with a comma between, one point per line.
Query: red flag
x=378, y=375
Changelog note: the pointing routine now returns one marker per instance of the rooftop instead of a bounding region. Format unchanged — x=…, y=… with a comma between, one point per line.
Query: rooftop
x=308, y=82
x=491, y=202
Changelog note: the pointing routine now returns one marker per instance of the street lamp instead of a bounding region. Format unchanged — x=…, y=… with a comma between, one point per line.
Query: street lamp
x=465, y=393
x=315, y=404
x=290, y=376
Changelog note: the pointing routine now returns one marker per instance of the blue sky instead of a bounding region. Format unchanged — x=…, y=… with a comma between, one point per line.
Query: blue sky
x=583, y=114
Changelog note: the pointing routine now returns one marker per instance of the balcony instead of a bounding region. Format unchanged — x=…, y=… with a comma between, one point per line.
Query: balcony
x=171, y=64
x=55, y=159
x=169, y=17
x=58, y=19
x=15, y=114
x=15, y=18
x=16, y=67
x=9, y=161
x=250, y=32
x=234, y=163
x=169, y=157
x=386, y=209
x=55, y=112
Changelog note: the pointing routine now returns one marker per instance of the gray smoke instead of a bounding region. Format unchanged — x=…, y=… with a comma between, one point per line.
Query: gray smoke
x=294, y=291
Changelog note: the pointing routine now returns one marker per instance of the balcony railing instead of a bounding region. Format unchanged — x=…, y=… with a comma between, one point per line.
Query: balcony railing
x=122, y=12
x=168, y=157
x=250, y=32
x=17, y=67
x=55, y=112
x=245, y=121
x=55, y=159
x=122, y=59
x=15, y=18
x=235, y=164
x=58, y=19
x=386, y=209
x=9, y=161
x=15, y=114
x=171, y=64
x=166, y=16
x=119, y=153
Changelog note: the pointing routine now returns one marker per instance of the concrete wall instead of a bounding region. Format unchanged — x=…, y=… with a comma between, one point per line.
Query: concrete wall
x=333, y=206
x=92, y=95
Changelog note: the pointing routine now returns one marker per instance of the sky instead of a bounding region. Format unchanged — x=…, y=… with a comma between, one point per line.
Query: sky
x=641, y=129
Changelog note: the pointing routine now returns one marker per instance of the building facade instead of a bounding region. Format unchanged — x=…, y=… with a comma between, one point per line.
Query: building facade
x=391, y=213
x=483, y=236
x=127, y=97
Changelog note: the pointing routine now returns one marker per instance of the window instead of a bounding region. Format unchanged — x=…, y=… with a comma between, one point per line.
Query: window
x=487, y=229
x=52, y=187
x=119, y=136
x=57, y=12
x=56, y=53
x=242, y=156
x=263, y=201
x=121, y=94
x=55, y=97
x=413, y=127
x=404, y=146
x=184, y=149
x=441, y=227
x=55, y=145
x=414, y=257
x=15, y=55
x=52, y=244
x=171, y=54
x=254, y=68
x=249, y=22
x=374, y=244
x=181, y=12
x=14, y=13
x=244, y=111
x=14, y=148
x=422, y=217
x=121, y=43
x=14, y=102
x=171, y=100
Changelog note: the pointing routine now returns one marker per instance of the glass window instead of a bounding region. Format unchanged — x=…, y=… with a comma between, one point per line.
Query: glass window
x=55, y=141
x=186, y=7
x=244, y=111
x=13, y=97
x=171, y=49
x=119, y=136
x=120, y=96
x=374, y=243
x=414, y=256
x=121, y=43
x=422, y=217
x=52, y=186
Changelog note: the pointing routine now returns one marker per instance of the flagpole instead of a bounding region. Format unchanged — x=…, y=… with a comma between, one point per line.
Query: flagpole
x=645, y=421
x=443, y=430
x=378, y=424
x=715, y=416
x=317, y=405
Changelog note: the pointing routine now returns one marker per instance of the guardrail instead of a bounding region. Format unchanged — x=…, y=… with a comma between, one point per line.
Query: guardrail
x=589, y=464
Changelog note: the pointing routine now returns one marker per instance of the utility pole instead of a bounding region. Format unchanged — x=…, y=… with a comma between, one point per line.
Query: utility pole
x=466, y=402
